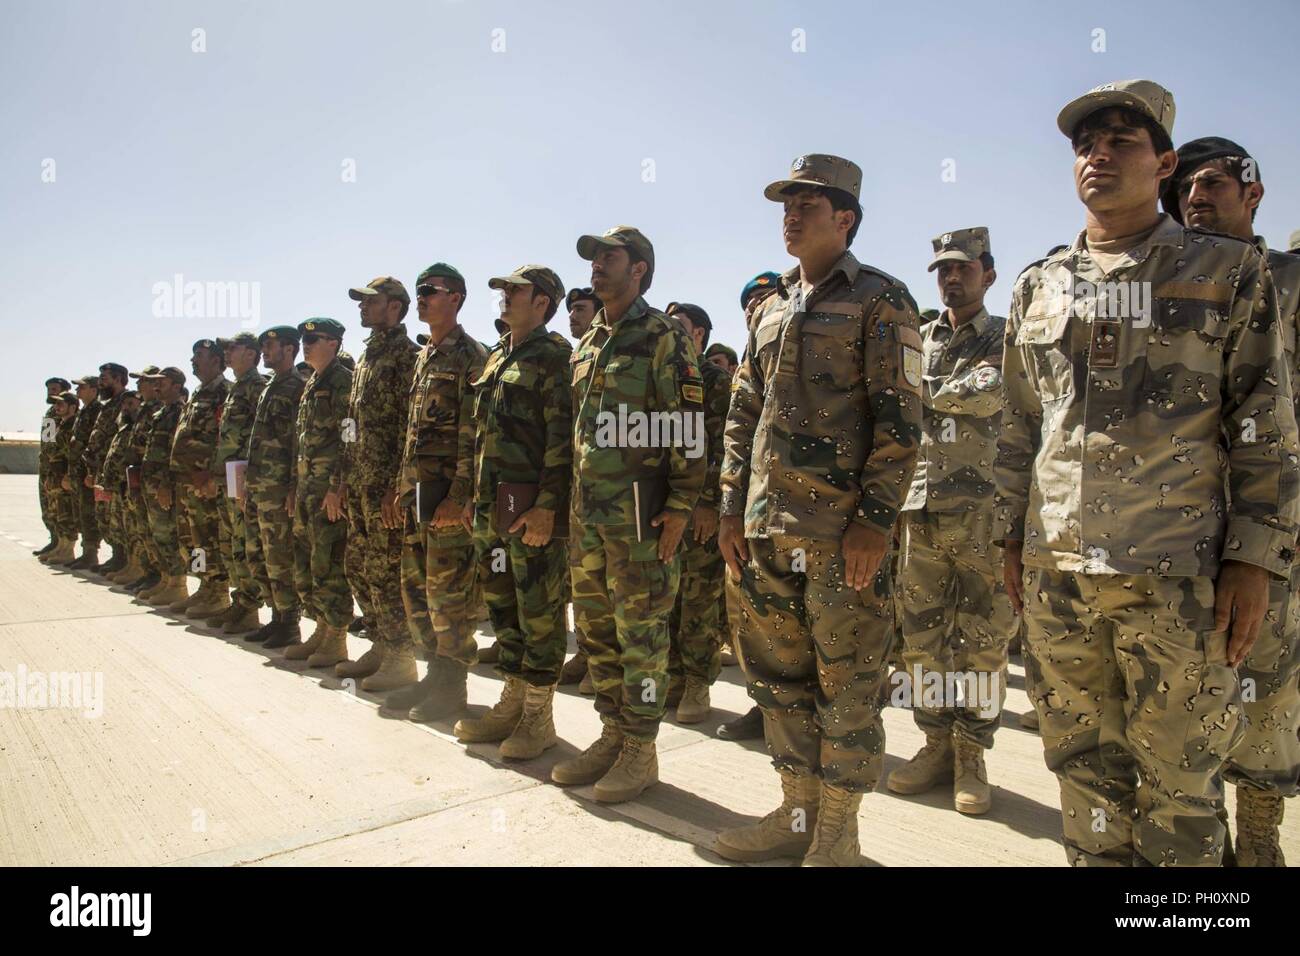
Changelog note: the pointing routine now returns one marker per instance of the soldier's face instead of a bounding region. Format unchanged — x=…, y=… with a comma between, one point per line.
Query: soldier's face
x=147, y=389
x=810, y=227
x=613, y=276
x=87, y=393
x=1213, y=198
x=131, y=408
x=64, y=410
x=722, y=362
x=580, y=317
x=205, y=363
x=374, y=311
x=105, y=385
x=242, y=358
x=1116, y=166
x=167, y=389
x=694, y=331
x=439, y=305
x=961, y=283
x=52, y=390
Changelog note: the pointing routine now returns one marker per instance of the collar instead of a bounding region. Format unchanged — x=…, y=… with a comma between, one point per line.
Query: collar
x=978, y=324
x=846, y=264
x=1166, y=233
x=453, y=337
x=636, y=310
x=381, y=336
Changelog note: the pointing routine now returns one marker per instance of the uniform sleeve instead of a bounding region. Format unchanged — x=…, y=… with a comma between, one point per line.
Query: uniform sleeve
x=460, y=485
x=1259, y=427
x=739, y=429
x=1018, y=438
x=405, y=472
x=341, y=472
x=891, y=357
x=396, y=387
x=717, y=396
x=680, y=388
x=557, y=460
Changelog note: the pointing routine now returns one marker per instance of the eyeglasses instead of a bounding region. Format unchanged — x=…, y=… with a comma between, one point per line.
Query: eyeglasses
x=428, y=290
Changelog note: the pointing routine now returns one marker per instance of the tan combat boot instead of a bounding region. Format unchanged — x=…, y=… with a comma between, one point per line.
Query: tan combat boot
x=240, y=620
x=835, y=837
x=363, y=666
x=636, y=768
x=594, y=762
x=332, y=650
x=198, y=597
x=970, y=788
x=694, y=705
x=1259, y=813
x=931, y=765
x=535, y=732
x=169, y=592
x=397, y=670
x=499, y=722
x=63, y=551
x=1029, y=720
x=217, y=602
x=300, y=652
x=133, y=573
x=786, y=831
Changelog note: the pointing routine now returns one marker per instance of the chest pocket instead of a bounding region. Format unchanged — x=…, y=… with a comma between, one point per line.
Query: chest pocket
x=625, y=381
x=831, y=347
x=1185, y=344
x=518, y=385
x=1041, y=340
x=441, y=397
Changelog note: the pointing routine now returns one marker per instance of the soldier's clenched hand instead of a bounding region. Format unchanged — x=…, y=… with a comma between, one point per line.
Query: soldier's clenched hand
x=705, y=522
x=731, y=542
x=538, y=525
x=863, y=550
x=447, y=514
x=389, y=514
x=671, y=524
x=1240, y=599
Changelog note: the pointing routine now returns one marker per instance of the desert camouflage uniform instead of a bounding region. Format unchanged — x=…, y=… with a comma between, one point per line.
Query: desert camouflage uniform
x=156, y=474
x=268, y=518
x=193, y=447
x=523, y=418
x=623, y=595
x=696, y=623
x=232, y=445
x=83, y=498
x=824, y=428
x=368, y=466
x=957, y=619
x=438, y=566
x=101, y=436
x=1111, y=470
x=319, y=544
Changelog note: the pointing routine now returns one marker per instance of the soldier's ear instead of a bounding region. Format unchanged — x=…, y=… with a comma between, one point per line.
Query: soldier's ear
x=990, y=277
x=1254, y=193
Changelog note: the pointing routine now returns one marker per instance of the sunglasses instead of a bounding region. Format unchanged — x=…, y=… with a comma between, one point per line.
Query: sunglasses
x=428, y=290
x=311, y=338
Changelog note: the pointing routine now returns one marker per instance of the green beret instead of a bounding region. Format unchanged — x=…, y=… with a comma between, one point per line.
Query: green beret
x=329, y=327
x=286, y=332
x=440, y=269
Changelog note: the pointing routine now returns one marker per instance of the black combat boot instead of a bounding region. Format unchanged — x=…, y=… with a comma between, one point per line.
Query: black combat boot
x=116, y=562
x=266, y=630
x=286, y=632
x=746, y=727
x=145, y=583
x=47, y=549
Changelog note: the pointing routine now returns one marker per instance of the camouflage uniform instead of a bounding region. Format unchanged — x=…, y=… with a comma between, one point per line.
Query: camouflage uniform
x=956, y=617
x=268, y=527
x=61, y=502
x=438, y=567
x=193, y=447
x=112, y=478
x=623, y=595
x=318, y=543
x=1110, y=469
x=232, y=445
x=156, y=474
x=137, y=512
x=83, y=498
x=101, y=436
x=696, y=623
x=823, y=430
x=49, y=436
x=368, y=466
x=523, y=420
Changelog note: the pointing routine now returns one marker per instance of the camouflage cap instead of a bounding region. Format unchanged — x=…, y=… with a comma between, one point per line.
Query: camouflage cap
x=439, y=269
x=286, y=332
x=543, y=278
x=819, y=169
x=384, y=285
x=1192, y=155
x=90, y=381
x=129, y=393
x=149, y=371
x=1293, y=242
x=695, y=313
x=763, y=282
x=577, y=295
x=212, y=345
x=58, y=380
x=319, y=326
x=1145, y=96
x=621, y=237
x=170, y=372
x=246, y=339
x=114, y=367
x=64, y=396
x=717, y=348
x=960, y=245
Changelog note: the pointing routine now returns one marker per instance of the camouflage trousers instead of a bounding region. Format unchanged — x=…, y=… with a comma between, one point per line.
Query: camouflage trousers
x=172, y=560
x=106, y=520
x=1268, y=757
x=957, y=621
x=374, y=568
x=814, y=653
x=233, y=540
x=731, y=610
x=63, y=513
x=1138, y=710
x=623, y=596
x=140, y=541
x=203, y=517
x=319, y=548
x=439, y=590
x=269, y=552
x=83, y=499
x=696, y=624
x=524, y=590
x=47, y=501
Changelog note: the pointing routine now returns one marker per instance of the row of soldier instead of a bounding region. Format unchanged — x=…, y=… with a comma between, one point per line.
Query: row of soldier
x=1120, y=487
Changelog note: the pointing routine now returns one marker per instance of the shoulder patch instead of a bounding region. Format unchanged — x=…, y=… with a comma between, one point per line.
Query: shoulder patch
x=693, y=394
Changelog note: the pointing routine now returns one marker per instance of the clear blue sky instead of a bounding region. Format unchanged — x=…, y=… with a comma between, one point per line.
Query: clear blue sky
x=226, y=165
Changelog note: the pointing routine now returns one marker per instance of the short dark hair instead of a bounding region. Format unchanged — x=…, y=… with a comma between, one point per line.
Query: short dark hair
x=456, y=284
x=551, y=305
x=633, y=257
x=986, y=260
x=1129, y=117
x=1235, y=166
x=839, y=200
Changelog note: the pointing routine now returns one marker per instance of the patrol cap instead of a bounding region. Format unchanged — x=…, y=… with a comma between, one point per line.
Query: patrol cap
x=170, y=372
x=149, y=371
x=129, y=393
x=819, y=169
x=545, y=280
x=114, y=367
x=960, y=245
x=621, y=237
x=760, y=283
x=246, y=339
x=695, y=313
x=64, y=396
x=210, y=344
x=90, y=381
x=577, y=295
x=717, y=348
x=322, y=327
x=287, y=333
x=56, y=380
x=1147, y=97
x=1293, y=243
x=384, y=285
x=439, y=270
x=1192, y=155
